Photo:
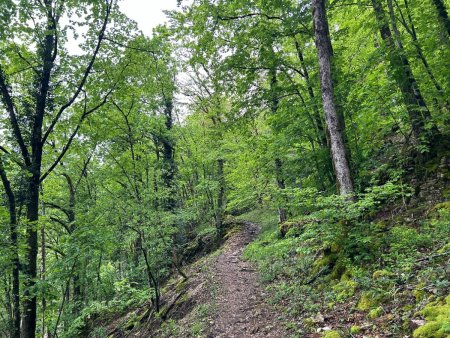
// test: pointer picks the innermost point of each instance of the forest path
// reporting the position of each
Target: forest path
(241, 308)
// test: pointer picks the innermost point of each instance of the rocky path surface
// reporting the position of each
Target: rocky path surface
(241, 308)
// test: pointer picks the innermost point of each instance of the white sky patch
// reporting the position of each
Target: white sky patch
(147, 13)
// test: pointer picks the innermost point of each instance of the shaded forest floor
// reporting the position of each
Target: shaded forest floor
(221, 298)
(241, 310)
(261, 284)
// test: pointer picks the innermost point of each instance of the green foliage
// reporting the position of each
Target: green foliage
(348, 254)
(133, 133)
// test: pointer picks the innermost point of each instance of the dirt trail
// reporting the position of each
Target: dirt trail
(241, 305)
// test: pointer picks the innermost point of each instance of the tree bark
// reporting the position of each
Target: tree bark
(419, 115)
(15, 333)
(282, 214)
(411, 29)
(442, 14)
(220, 195)
(337, 143)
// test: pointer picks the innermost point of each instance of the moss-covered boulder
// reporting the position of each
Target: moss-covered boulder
(437, 315)
(332, 334)
(367, 301)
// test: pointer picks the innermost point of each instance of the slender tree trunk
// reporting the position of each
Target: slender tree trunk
(43, 269)
(419, 115)
(15, 333)
(282, 214)
(322, 136)
(220, 195)
(30, 304)
(412, 32)
(169, 166)
(278, 164)
(324, 50)
(442, 14)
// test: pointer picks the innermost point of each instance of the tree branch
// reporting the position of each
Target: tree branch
(11, 109)
(85, 75)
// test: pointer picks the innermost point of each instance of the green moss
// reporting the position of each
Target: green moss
(443, 205)
(180, 286)
(289, 229)
(419, 292)
(381, 273)
(355, 329)
(438, 316)
(367, 301)
(375, 313)
(345, 289)
(445, 248)
(430, 330)
(309, 322)
(332, 334)
(339, 269)
(322, 262)
(184, 298)
(346, 276)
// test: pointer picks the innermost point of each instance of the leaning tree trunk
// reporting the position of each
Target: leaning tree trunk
(418, 113)
(442, 14)
(337, 143)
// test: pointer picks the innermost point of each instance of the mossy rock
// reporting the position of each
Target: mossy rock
(290, 229)
(309, 322)
(438, 316)
(345, 289)
(367, 301)
(381, 274)
(419, 292)
(375, 313)
(355, 329)
(332, 334)
(327, 260)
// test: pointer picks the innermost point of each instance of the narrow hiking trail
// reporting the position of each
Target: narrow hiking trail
(241, 305)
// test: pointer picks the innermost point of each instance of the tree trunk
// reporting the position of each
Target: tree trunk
(324, 50)
(220, 196)
(442, 14)
(169, 166)
(29, 304)
(412, 32)
(419, 115)
(15, 333)
(282, 214)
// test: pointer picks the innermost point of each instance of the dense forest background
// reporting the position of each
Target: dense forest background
(327, 122)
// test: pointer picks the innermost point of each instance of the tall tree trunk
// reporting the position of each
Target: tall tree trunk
(15, 332)
(220, 196)
(442, 14)
(278, 165)
(337, 143)
(419, 115)
(412, 32)
(282, 214)
(169, 166)
(322, 137)
(29, 304)
(43, 270)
